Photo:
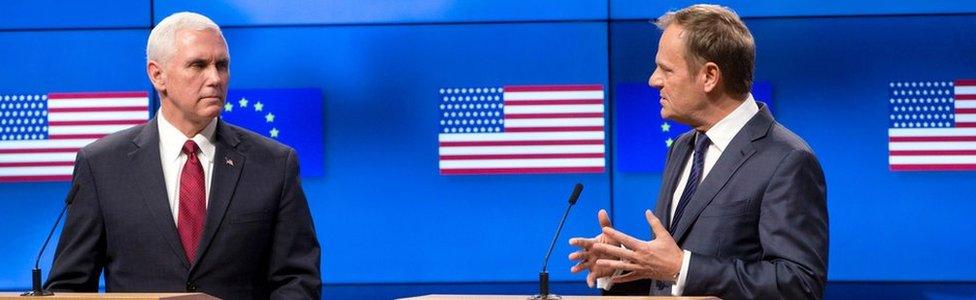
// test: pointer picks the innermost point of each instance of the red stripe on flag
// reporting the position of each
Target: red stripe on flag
(521, 143)
(80, 96)
(98, 109)
(965, 96)
(522, 156)
(38, 150)
(965, 124)
(966, 110)
(554, 88)
(965, 82)
(97, 122)
(554, 116)
(35, 178)
(930, 152)
(522, 171)
(554, 129)
(38, 164)
(953, 167)
(554, 102)
(932, 139)
(75, 136)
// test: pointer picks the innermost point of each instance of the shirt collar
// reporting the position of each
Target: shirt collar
(721, 133)
(171, 140)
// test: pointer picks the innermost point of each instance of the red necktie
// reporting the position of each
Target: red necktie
(193, 201)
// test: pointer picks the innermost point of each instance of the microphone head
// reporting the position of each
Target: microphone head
(576, 193)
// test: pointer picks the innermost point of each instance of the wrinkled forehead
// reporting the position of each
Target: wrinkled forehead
(200, 42)
(673, 37)
(672, 42)
(674, 45)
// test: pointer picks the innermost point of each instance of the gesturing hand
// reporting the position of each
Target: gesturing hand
(587, 260)
(658, 259)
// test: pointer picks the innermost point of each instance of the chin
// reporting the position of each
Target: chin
(214, 102)
(666, 114)
(212, 111)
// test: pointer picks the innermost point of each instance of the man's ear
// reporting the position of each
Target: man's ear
(156, 75)
(711, 76)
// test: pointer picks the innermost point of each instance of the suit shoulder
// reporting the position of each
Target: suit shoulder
(113, 143)
(785, 140)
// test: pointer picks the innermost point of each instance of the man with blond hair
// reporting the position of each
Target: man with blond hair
(742, 209)
(188, 202)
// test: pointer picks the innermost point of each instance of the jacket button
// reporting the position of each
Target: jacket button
(190, 287)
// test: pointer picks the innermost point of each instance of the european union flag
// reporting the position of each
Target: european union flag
(290, 116)
(642, 136)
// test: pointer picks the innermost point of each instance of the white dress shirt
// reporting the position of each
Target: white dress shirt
(720, 135)
(171, 156)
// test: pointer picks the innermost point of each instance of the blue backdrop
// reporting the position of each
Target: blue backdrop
(383, 213)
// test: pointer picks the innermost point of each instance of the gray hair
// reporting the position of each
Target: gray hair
(162, 38)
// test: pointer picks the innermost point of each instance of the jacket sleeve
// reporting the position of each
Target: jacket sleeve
(295, 254)
(793, 234)
(80, 255)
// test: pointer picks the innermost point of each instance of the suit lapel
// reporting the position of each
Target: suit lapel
(738, 152)
(672, 174)
(228, 163)
(148, 171)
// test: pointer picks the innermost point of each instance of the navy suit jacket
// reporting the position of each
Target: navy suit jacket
(757, 225)
(258, 241)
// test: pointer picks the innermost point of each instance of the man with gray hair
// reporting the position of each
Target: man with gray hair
(188, 202)
(742, 209)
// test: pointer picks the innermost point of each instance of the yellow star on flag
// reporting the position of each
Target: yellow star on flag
(243, 102)
(228, 107)
(274, 132)
(258, 106)
(269, 117)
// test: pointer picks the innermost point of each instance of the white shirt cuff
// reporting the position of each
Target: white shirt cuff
(679, 286)
(606, 283)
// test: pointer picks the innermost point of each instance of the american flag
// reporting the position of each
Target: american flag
(41, 134)
(522, 129)
(932, 125)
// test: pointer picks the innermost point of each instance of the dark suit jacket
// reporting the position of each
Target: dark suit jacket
(757, 225)
(258, 241)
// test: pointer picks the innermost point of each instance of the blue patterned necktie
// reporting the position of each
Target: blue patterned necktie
(697, 168)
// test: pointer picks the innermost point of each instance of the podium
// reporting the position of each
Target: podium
(523, 297)
(112, 296)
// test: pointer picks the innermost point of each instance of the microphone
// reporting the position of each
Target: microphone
(544, 274)
(37, 290)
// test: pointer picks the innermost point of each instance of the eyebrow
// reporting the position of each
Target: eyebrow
(197, 61)
(206, 61)
(662, 63)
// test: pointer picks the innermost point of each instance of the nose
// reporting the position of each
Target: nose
(655, 81)
(214, 76)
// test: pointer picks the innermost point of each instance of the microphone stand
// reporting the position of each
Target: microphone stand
(36, 286)
(544, 274)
